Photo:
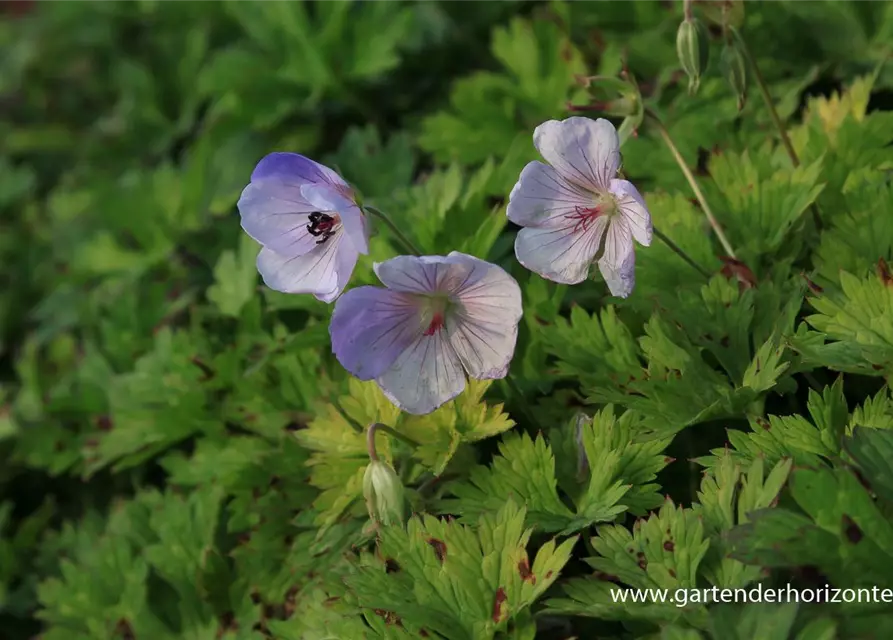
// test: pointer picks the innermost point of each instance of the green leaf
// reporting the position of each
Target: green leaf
(464, 420)
(729, 492)
(872, 450)
(337, 439)
(762, 198)
(160, 403)
(376, 168)
(854, 325)
(487, 108)
(457, 581)
(858, 236)
(235, 277)
(662, 551)
(591, 348)
(524, 471)
(794, 436)
(845, 534)
(757, 620)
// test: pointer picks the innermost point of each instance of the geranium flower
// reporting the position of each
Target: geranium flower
(439, 319)
(575, 210)
(307, 219)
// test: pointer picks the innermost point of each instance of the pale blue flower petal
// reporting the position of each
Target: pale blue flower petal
(275, 214)
(425, 376)
(324, 271)
(419, 356)
(618, 262)
(483, 329)
(560, 254)
(633, 208)
(294, 169)
(371, 327)
(413, 274)
(543, 198)
(585, 152)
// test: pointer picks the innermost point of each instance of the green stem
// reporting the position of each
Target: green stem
(717, 229)
(678, 251)
(773, 113)
(370, 438)
(407, 243)
(767, 98)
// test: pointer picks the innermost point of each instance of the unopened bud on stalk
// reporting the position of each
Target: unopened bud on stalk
(734, 68)
(693, 49)
(383, 493)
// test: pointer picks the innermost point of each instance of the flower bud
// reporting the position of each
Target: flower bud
(734, 68)
(693, 49)
(383, 493)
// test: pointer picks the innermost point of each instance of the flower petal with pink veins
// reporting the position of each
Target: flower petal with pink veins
(618, 262)
(585, 152)
(560, 254)
(543, 198)
(371, 327)
(425, 376)
(633, 208)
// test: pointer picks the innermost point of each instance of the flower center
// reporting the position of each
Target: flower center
(583, 217)
(434, 314)
(323, 225)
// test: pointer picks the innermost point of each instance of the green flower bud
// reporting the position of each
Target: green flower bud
(734, 68)
(383, 493)
(693, 49)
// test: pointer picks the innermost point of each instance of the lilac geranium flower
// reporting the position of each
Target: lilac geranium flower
(307, 219)
(575, 210)
(439, 319)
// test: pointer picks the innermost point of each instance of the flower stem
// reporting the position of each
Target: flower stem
(407, 243)
(773, 113)
(692, 182)
(679, 252)
(370, 438)
(767, 98)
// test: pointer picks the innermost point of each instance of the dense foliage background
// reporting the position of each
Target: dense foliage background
(182, 457)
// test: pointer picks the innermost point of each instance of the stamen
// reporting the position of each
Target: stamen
(584, 216)
(322, 224)
(436, 324)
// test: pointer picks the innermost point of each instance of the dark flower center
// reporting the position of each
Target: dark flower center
(322, 226)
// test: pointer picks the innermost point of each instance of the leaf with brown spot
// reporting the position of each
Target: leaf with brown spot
(883, 271)
(851, 530)
(440, 548)
(735, 269)
(524, 571)
(498, 614)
